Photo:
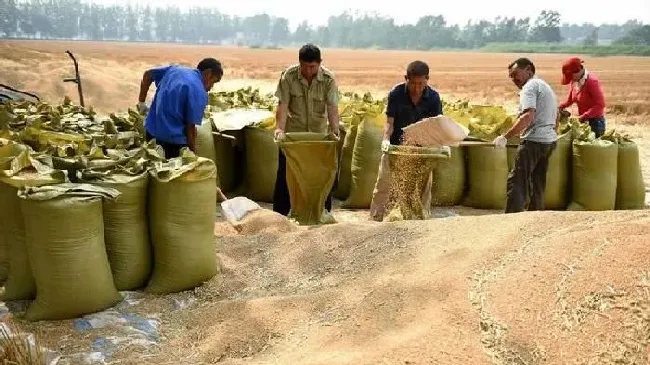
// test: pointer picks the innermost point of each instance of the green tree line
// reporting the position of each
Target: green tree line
(74, 19)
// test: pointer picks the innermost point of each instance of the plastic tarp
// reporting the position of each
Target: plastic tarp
(311, 170)
(410, 169)
(448, 186)
(630, 189)
(365, 161)
(19, 167)
(65, 241)
(595, 167)
(126, 226)
(487, 176)
(182, 209)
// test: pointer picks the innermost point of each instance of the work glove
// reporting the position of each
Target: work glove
(446, 150)
(385, 144)
(500, 141)
(279, 135)
(142, 108)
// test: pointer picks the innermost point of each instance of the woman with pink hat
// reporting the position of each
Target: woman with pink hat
(586, 92)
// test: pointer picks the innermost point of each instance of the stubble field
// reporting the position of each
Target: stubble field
(530, 288)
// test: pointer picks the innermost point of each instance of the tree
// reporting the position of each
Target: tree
(547, 27)
(279, 30)
(638, 37)
(592, 39)
(303, 33)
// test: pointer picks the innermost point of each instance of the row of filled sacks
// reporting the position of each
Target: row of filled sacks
(592, 175)
(583, 174)
(71, 247)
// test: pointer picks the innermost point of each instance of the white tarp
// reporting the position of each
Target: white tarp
(237, 119)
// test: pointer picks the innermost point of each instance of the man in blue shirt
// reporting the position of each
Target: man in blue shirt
(408, 103)
(178, 104)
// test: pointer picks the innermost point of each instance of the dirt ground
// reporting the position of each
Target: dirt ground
(532, 288)
(465, 287)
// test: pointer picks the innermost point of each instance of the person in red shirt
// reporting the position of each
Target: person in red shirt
(586, 92)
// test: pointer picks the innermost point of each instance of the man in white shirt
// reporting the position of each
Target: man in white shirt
(536, 124)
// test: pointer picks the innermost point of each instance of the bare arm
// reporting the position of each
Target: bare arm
(190, 130)
(281, 117)
(525, 119)
(144, 86)
(333, 117)
(388, 128)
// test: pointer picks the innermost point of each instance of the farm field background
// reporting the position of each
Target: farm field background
(111, 73)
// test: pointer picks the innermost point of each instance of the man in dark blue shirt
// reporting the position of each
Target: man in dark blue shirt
(408, 103)
(178, 104)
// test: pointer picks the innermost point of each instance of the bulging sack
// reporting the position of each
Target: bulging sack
(182, 209)
(630, 189)
(448, 185)
(487, 175)
(65, 243)
(19, 167)
(261, 163)
(311, 170)
(595, 166)
(558, 176)
(345, 169)
(365, 161)
(410, 178)
(126, 227)
(205, 142)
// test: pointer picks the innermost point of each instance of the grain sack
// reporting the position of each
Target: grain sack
(630, 189)
(182, 211)
(345, 168)
(25, 168)
(126, 228)
(594, 175)
(311, 170)
(205, 142)
(448, 186)
(558, 176)
(261, 163)
(410, 171)
(65, 242)
(365, 161)
(226, 159)
(487, 175)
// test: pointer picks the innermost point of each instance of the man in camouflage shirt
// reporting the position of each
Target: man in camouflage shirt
(307, 102)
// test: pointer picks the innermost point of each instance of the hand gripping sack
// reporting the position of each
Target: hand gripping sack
(630, 189)
(126, 226)
(410, 171)
(365, 161)
(448, 185)
(261, 163)
(19, 167)
(65, 243)
(182, 209)
(487, 175)
(595, 166)
(311, 170)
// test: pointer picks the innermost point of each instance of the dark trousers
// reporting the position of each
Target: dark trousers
(171, 150)
(527, 180)
(281, 199)
(597, 126)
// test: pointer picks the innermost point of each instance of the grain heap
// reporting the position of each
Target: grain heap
(87, 206)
